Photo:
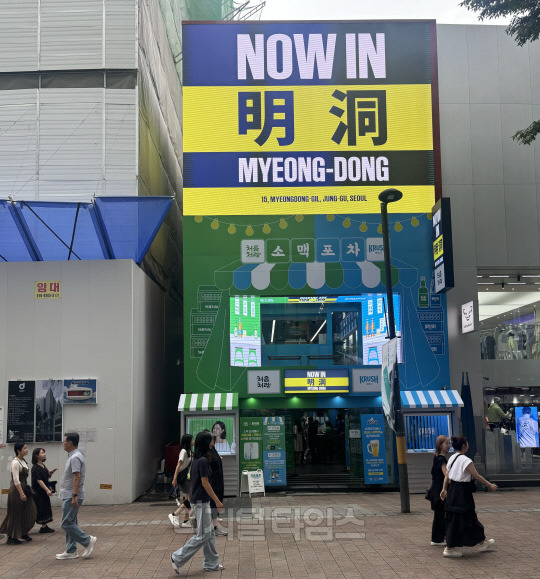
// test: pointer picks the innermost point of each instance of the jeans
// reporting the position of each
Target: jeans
(74, 535)
(204, 538)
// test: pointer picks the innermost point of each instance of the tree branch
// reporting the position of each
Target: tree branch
(528, 135)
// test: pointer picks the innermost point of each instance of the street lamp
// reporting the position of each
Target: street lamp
(390, 196)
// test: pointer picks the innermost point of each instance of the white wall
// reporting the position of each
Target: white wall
(108, 325)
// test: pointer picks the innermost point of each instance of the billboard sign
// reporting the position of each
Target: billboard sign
(309, 117)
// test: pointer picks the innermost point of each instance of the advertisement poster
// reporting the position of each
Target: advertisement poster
(222, 427)
(275, 467)
(388, 371)
(1, 425)
(20, 415)
(245, 331)
(374, 449)
(80, 392)
(49, 411)
(527, 426)
(251, 439)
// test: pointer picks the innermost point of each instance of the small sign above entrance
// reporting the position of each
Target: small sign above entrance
(316, 381)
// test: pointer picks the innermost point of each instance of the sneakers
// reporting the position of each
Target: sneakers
(186, 524)
(13, 541)
(435, 544)
(175, 522)
(218, 568)
(46, 530)
(450, 552)
(219, 531)
(86, 552)
(486, 545)
(66, 555)
(175, 567)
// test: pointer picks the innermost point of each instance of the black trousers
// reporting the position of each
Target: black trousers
(438, 528)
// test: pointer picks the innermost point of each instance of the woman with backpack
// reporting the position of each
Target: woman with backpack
(200, 494)
(181, 479)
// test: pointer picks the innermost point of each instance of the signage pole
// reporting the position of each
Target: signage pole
(389, 196)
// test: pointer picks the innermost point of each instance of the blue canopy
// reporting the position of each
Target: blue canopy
(107, 228)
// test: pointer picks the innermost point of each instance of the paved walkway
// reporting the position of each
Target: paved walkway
(332, 536)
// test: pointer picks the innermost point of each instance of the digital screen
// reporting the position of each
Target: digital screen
(527, 426)
(222, 427)
(307, 330)
(308, 117)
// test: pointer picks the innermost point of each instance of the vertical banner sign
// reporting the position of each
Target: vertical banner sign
(388, 372)
(374, 449)
(275, 468)
(441, 237)
(286, 118)
(251, 440)
(20, 415)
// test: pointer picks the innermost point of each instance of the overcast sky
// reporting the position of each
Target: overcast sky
(444, 11)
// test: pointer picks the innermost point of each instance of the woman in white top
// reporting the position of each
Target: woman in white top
(21, 509)
(463, 529)
(181, 478)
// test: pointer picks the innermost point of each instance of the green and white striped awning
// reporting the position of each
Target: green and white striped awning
(193, 402)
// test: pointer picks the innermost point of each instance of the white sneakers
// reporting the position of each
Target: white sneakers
(86, 552)
(434, 544)
(450, 552)
(175, 521)
(219, 531)
(66, 555)
(187, 525)
(486, 545)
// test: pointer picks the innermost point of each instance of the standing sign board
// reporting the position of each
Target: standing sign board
(252, 482)
(388, 372)
(374, 449)
(275, 468)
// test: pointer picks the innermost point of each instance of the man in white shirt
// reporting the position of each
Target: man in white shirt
(527, 429)
(72, 495)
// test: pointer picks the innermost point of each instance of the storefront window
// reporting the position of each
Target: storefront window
(511, 430)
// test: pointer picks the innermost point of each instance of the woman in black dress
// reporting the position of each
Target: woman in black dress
(463, 529)
(40, 486)
(438, 472)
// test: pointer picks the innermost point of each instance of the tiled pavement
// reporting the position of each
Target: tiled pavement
(294, 536)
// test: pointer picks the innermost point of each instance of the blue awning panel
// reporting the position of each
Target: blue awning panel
(111, 227)
(430, 399)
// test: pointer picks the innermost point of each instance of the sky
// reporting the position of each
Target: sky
(444, 11)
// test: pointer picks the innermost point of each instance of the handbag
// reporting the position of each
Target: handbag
(29, 491)
(428, 494)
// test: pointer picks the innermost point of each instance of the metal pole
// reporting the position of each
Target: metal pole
(398, 413)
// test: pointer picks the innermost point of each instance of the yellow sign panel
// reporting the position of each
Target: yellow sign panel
(44, 290)
(408, 118)
(5, 491)
(438, 248)
(105, 487)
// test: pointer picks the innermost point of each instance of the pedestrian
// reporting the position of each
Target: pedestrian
(72, 495)
(463, 529)
(200, 494)
(21, 509)
(438, 472)
(42, 492)
(181, 478)
(218, 484)
(298, 432)
(312, 430)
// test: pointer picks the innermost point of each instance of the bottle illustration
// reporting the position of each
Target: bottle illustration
(372, 328)
(235, 331)
(240, 327)
(367, 328)
(423, 294)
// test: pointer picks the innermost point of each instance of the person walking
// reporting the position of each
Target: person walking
(218, 484)
(42, 492)
(463, 529)
(200, 494)
(72, 495)
(21, 509)
(438, 472)
(298, 432)
(181, 478)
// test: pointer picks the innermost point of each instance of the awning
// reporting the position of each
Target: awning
(211, 402)
(430, 399)
(106, 228)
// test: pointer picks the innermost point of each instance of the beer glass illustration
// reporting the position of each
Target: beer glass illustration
(373, 448)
